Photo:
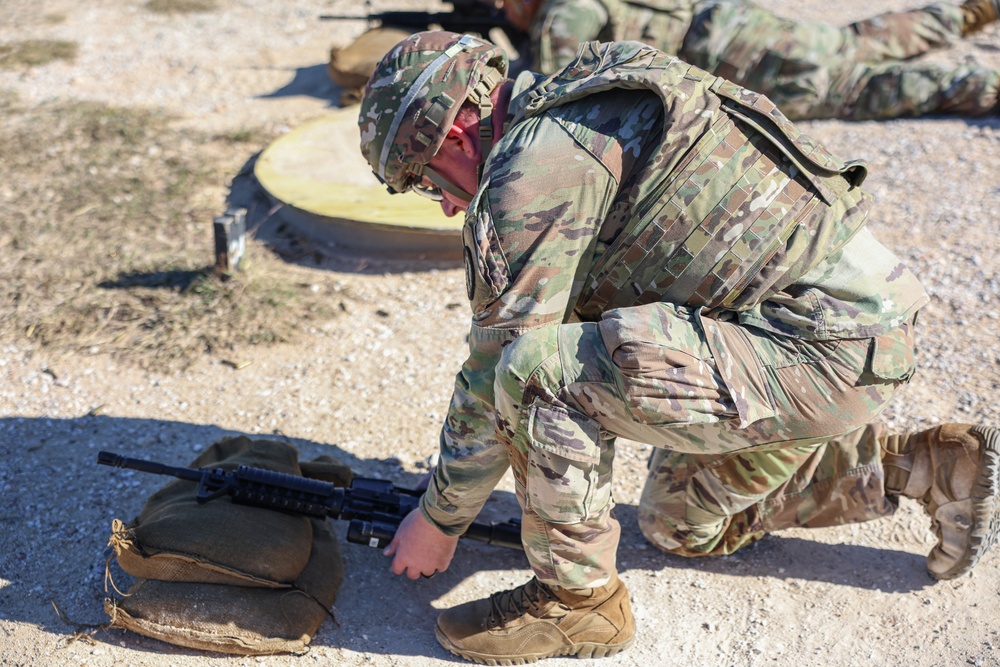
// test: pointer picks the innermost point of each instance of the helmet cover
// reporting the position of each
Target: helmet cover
(414, 95)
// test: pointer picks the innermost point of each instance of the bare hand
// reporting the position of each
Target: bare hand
(420, 548)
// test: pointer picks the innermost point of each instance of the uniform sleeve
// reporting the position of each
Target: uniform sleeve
(561, 27)
(528, 235)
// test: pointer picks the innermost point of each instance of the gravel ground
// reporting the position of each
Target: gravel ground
(372, 387)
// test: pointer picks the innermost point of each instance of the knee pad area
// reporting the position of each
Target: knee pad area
(681, 537)
(525, 354)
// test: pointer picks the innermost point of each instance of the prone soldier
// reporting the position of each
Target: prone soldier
(809, 69)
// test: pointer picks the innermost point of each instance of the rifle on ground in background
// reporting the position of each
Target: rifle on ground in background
(374, 507)
(466, 16)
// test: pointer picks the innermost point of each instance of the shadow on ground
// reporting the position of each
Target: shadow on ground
(59, 504)
(312, 81)
(55, 492)
(784, 557)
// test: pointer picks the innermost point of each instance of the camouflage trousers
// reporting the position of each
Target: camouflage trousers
(861, 71)
(754, 432)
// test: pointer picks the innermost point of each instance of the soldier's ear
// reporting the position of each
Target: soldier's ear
(461, 139)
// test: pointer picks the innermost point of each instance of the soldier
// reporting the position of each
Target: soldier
(656, 254)
(810, 70)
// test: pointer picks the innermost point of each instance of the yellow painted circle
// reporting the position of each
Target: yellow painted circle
(318, 168)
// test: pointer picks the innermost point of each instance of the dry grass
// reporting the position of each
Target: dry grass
(181, 6)
(106, 241)
(34, 52)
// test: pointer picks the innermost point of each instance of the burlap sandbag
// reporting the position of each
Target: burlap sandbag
(237, 619)
(351, 66)
(177, 539)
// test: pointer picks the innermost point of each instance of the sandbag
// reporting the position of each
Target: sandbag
(351, 66)
(177, 539)
(246, 620)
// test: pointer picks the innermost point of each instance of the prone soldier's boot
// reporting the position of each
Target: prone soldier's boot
(953, 470)
(535, 621)
(978, 14)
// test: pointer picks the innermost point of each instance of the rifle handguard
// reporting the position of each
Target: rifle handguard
(374, 508)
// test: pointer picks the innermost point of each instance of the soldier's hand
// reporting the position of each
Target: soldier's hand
(419, 548)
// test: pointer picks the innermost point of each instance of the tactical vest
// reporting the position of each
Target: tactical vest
(735, 204)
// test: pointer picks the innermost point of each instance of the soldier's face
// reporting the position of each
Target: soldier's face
(520, 13)
(452, 206)
(449, 203)
(458, 163)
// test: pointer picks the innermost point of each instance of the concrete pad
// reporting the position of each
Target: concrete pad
(329, 193)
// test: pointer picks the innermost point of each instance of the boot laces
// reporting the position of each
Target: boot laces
(507, 605)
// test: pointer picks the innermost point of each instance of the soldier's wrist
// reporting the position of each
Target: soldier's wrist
(438, 517)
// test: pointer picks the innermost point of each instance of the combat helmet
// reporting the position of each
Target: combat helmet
(413, 97)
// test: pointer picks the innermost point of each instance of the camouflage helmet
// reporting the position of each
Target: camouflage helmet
(413, 97)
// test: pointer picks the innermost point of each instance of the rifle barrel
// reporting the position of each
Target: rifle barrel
(507, 534)
(119, 461)
(411, 19)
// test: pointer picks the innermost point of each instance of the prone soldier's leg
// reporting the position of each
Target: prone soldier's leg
(907, 34)
(816, 70)
(893, 90)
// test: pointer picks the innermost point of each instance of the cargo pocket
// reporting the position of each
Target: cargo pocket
(892, 355)
(667, 374)
(564, 483)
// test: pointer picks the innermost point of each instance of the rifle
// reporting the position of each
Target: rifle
(374, 507)
(466, 16)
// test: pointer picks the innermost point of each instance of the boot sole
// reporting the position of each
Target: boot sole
(584, 650)
(985, 505)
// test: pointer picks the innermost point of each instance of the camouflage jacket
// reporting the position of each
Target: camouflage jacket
(665, 21)
(631, 177)
(561, 26)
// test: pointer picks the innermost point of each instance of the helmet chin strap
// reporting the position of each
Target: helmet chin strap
(446, 185)
(480, 95)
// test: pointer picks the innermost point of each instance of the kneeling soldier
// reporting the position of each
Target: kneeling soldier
(657, 254)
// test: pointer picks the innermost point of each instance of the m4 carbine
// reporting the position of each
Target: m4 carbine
(474, 16)
(374, 507)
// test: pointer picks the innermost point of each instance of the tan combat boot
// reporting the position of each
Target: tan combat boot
(954, 471)
(537, 621)
(978, 14)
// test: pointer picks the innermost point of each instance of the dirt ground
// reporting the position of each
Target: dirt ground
(118, 153)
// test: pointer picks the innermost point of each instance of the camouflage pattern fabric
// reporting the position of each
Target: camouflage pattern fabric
(698, 505)
(560, 191)
(414, 95)
(810, 70)
(731, 223)
(564, 394)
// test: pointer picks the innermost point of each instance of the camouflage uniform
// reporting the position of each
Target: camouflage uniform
(659, 255)
(810, 70)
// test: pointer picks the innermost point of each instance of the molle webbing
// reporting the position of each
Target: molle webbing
(727, 211)
(750, 207)
(730, 210)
